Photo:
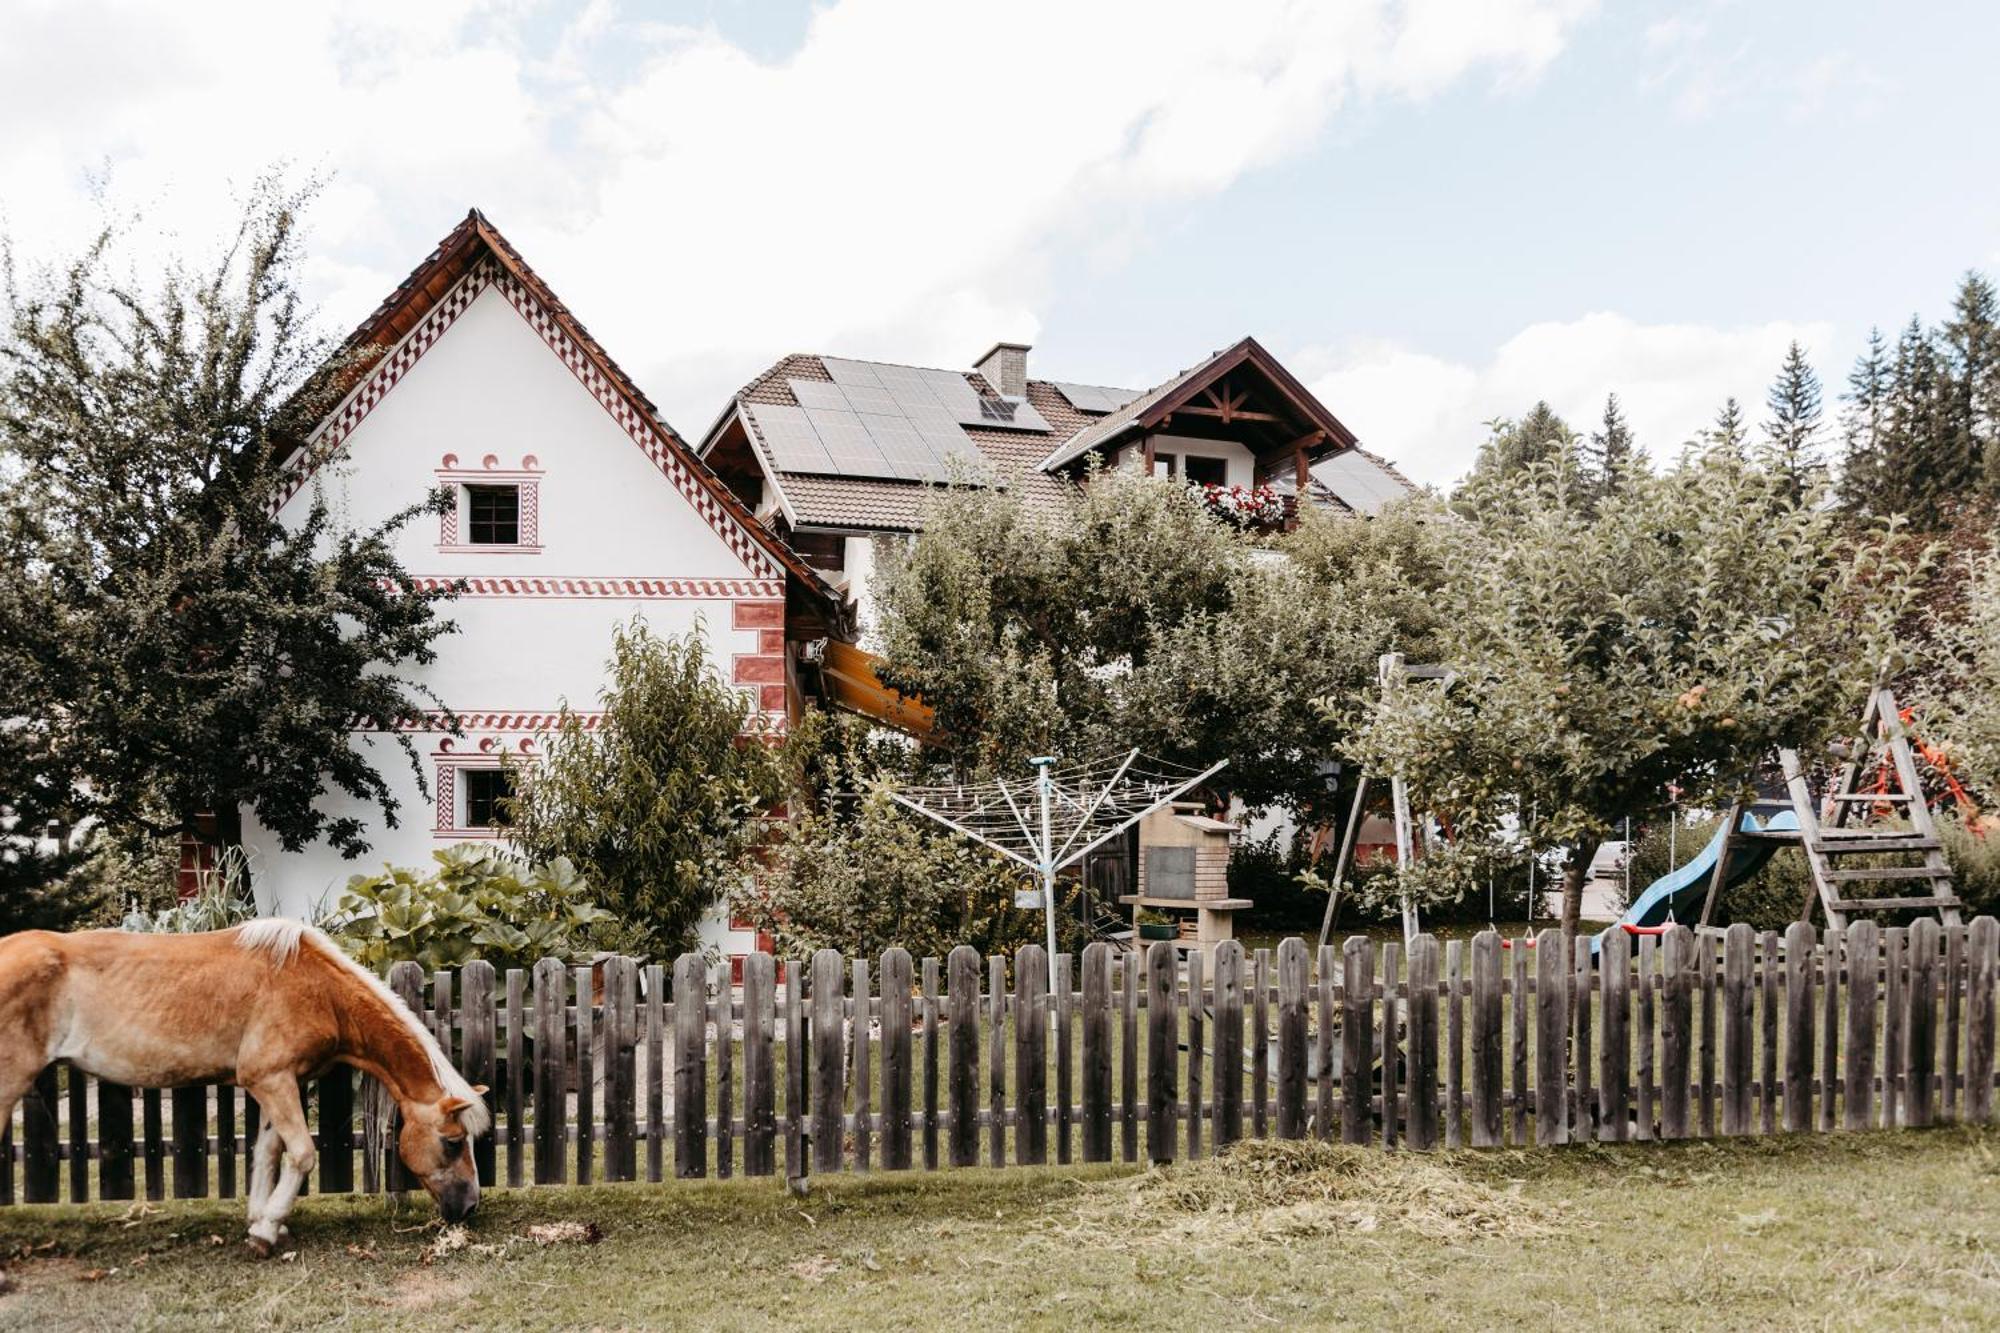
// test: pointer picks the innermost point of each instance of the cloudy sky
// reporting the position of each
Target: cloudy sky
(1435, 211)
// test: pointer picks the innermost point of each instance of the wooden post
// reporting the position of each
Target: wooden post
(1920, 1049)
(1676, 1031)
(1552, 982)
(1357, 1046)
(1325, 1101)
(336, 1131)
(225, 1143)
(1388, 1051)
(153, 1144)
(1982, 962)
(551, 1098)
(477, 1060)
(1582, 1106)
(1260, 1050)
(930, 1005)
(1954, 986)
(795, 1070)
(896, 1073)
(1065, 1002)
(760, 1074)
(722, 1018)
(656, 1065)
(1863, 958)
(1518, 1030)
(40, 1155)
(1831, 946)
(114, 1142)
(1895, 1014)
(963, 1082)
(1614, 977)
(190, 1151)
(1191, 1111)
(1738, 995)
(1706, 978)
(996, 1061)
(1767, 1013)
(1799, 946)
(1162, 1052)
(1031, 1056)
(829, 1066)
(406, 979)
(860, 1046)
(1423, 1042)
(1454, 1043)
(1488, 1088)
(518, 1085)
(1227, 1068)
(1648, 989)
(1292, 1039)
(621, 1069)
(586, 1074)
(1128, 1069)
(1097, 1052)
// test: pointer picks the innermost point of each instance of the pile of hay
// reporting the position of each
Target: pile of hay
(1309, 1188)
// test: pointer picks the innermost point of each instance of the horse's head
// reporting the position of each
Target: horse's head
(437, 1149)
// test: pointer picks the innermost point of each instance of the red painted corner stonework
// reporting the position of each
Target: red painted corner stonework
(760, 615)
(771, 698)
(759, 669)
(770, 641)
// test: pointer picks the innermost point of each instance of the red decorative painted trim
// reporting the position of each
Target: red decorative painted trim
(444, 782)
(526, 479)
(627, 589)
(640, 429)
(527, 723)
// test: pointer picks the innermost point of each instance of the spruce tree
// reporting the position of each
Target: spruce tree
(1728, 435)
(1971, 407)
(1611, 455)
(1924, 466)
(1792, 449)
(1864, 424)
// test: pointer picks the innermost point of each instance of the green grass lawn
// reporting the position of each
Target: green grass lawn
(1864, 1231)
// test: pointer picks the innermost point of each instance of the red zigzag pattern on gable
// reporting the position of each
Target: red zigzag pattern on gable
(421, 339)
(637, 588)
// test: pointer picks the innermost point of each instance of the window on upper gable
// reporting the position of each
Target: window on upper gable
(485, 791)
(493, 515)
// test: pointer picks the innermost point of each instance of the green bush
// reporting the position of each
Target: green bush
(864, 874)
(478, 902)
(1975, 865)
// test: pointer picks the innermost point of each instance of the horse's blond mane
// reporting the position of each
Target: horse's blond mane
(282, 940)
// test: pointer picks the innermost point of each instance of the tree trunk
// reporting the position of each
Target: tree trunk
(1581, 853)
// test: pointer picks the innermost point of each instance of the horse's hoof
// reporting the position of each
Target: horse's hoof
(259, 1247)
(284, 1238)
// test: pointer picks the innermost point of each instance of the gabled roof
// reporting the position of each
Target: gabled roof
(472, 241)
(1151, 408)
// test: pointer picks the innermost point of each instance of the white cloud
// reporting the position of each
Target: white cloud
(1427, 413)
(898, 185)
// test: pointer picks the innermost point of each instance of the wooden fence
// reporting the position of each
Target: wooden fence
(894, 1065)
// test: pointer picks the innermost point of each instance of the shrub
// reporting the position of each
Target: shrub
(478, 903)
(222, 899)
(864, 875)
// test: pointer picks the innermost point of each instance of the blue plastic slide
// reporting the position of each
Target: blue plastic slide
(1677, 895)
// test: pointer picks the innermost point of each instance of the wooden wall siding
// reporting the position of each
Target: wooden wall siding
(896, 1065)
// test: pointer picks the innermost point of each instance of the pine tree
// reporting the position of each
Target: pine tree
(1864, 424)
(1728, 435)
(1924, 467)
(1971, 344)
(1611, 455)
(1791, 436)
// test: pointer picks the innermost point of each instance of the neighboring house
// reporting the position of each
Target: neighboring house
(834, 453)
(574, 508)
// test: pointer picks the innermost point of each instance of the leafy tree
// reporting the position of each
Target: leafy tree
(171, 645)
(659, 804)
(1611, 455)
(1792, 448)
(1131, 616)
(1962, 692)
(1677, 634)
(1864, 425)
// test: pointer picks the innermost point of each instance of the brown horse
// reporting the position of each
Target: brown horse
(262, 1005)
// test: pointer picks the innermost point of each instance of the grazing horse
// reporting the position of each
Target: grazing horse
(262, 1005)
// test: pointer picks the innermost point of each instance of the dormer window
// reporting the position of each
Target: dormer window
(493, 515)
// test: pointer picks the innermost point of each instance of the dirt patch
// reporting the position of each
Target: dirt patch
(426, 1289)
(1276, 1189)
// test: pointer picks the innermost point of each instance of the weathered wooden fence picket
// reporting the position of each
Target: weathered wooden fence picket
(889, 1065)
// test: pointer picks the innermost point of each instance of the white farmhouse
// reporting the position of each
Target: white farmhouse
(576, 507)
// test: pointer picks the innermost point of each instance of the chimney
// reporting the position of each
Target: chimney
(1006, 369)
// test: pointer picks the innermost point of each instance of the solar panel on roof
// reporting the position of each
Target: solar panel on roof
(1095, 398)
(793, 443)
(1361, 483)
(818, 393)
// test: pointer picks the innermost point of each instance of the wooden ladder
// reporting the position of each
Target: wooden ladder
(1825, 843)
